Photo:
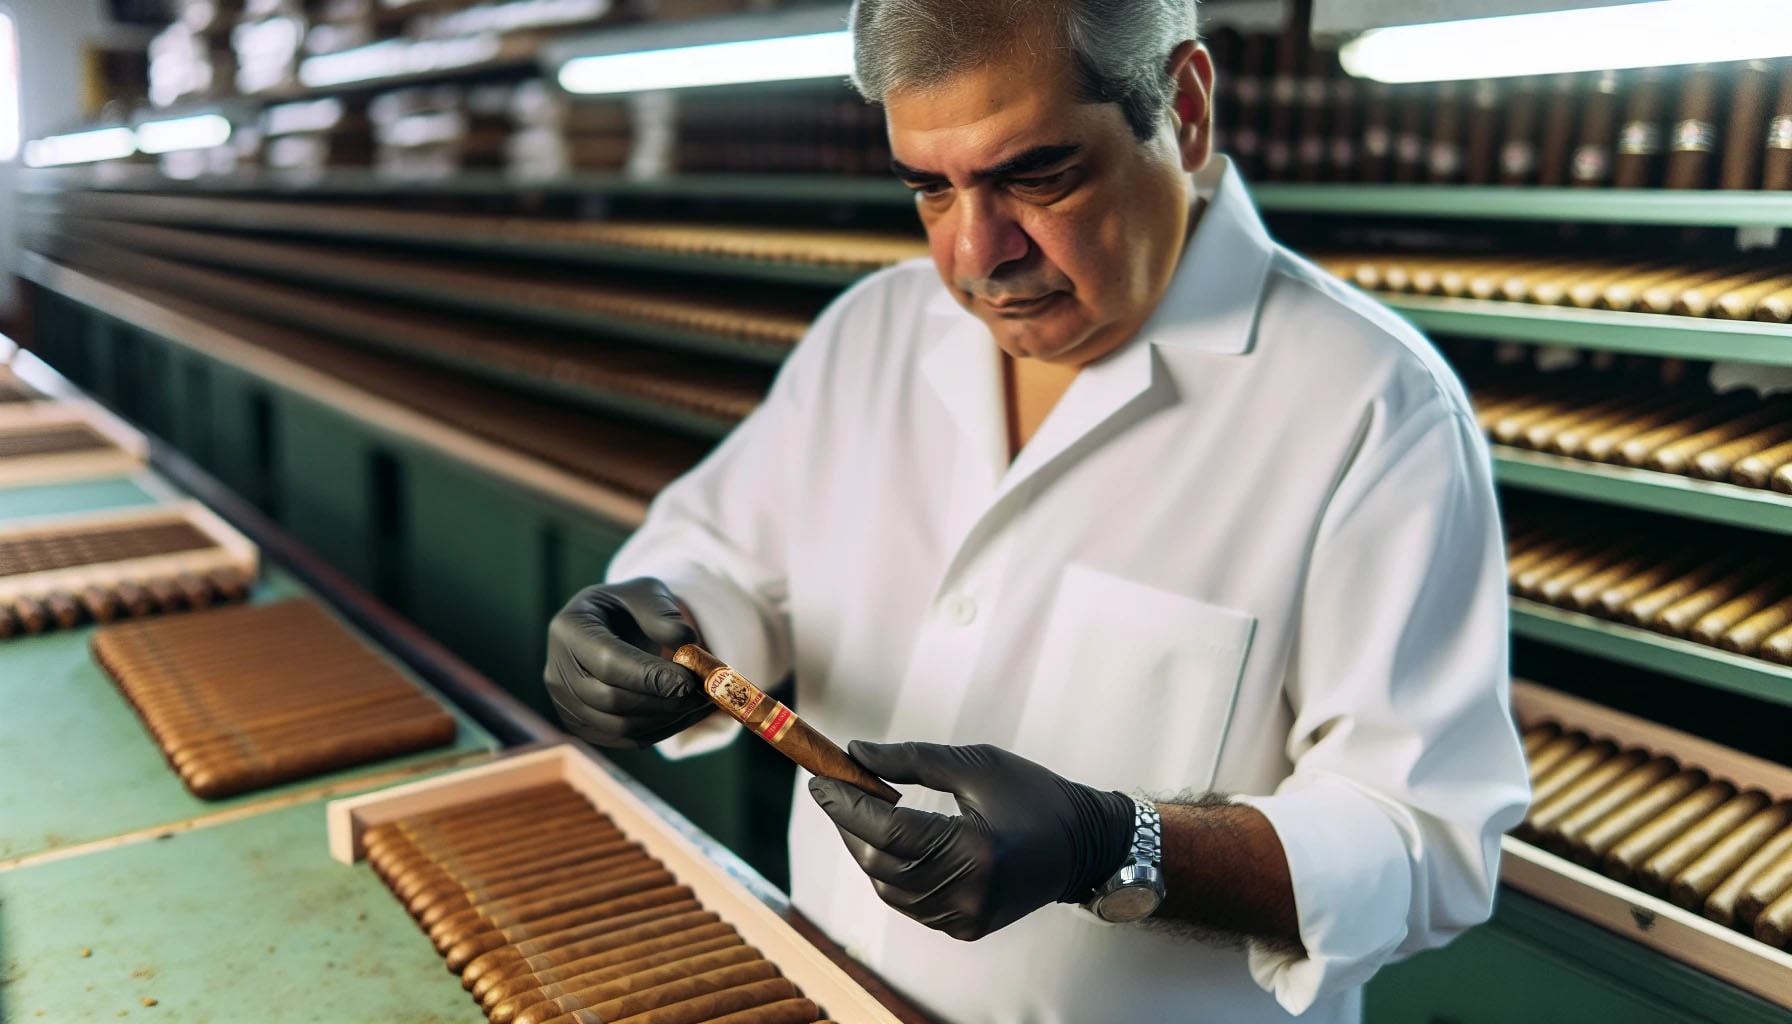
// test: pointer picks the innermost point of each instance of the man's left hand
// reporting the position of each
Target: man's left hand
(1024, 836)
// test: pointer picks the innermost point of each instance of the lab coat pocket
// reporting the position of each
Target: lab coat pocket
(1134, 686)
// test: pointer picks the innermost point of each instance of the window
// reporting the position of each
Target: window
(9, 90)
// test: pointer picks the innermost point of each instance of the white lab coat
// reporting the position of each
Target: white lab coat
(1255, 550)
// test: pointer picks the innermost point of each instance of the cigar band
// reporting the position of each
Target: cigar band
(1244, 140)
(1640, 138)
(1591, 164)
(1695, 136)
(1487, 94)
(1518, 157)
(1409, 149)
(778, 722)
(1343, 151)
(1248, 88)
(1313, 92)
(738, 696)
(1276, 153)
(1376, 141)
(1283, 89)
(1779, 132)
(1312, 150)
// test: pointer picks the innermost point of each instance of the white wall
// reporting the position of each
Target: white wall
(50, 34)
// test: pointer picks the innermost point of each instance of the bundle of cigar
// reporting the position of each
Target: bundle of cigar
(252, 697)
(1672, 831)
(1744, 288)
(551, 915)
(1736, 437)
(33, 440)
(1724, 589)
(61, 576)
(1287, 111)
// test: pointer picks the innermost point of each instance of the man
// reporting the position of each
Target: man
(1136, 503)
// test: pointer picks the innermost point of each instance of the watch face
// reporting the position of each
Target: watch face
(1129, 903)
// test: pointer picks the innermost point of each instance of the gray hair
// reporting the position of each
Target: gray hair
(1119, 48)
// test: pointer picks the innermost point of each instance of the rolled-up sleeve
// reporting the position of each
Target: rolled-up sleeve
(1407, 766)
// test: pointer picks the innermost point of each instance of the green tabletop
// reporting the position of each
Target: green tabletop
(80, 496)
(245, 921)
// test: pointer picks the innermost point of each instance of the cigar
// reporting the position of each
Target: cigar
(1666, 864)
(101, 604)
(1443, 160)
(1628, 294)
(462, 953)
(1589, 844)
(1559, 588)
(1776, 160)
(136, 601)
(1638, 163)
(63, 608)
(652, 978)
(1747, 636)
(432, 904)
(1694, 136)
(771, 721)
(494, 830)
(33, 617)
(1555, 752)
(1679, 618)
(1564, 831)
(1677, 457)
(1518, 150)
(1769, 884)
(1745, 138)
(1774, 925)
(1539, 736)
(784, 1011)
(1603, 446)
(1645, 610)
(1479, 159)
(662, 909)
(1591, 164)
(1625, 858)
(410, 877)
(1560, 98)
(1775, 308)
(1637, 450)
(1564, 777)
(228, 776)
(1701, 879)
(1703, 299)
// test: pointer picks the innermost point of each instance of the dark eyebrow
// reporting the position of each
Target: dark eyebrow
(1036, 159)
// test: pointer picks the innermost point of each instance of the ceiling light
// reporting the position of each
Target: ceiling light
(81, 147)
(201, 131)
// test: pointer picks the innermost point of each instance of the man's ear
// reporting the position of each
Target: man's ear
(1191, 70)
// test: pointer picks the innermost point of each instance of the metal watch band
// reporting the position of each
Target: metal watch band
(1147, 833)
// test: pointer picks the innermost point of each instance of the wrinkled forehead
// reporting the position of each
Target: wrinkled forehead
(978, 118)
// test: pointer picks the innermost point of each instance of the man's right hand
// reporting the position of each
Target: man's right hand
(605, 674)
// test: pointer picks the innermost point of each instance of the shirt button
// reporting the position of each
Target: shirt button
(960, 610)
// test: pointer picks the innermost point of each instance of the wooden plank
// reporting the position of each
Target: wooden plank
(805, 965)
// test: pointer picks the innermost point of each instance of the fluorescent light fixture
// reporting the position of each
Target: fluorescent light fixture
(398, 57)
(9, 90)
(81, 147)
(793, 58)
(201, 131)
(1637, 35)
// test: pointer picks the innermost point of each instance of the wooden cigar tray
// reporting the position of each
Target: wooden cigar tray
(116, 449)
(806, 966)
(229, 550)
(1686, 936)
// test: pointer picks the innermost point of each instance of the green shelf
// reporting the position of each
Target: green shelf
(1640, 648)
(1648, 334)
(1707, 500)
(1505, 202)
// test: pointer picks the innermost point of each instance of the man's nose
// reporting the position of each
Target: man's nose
(987, 238)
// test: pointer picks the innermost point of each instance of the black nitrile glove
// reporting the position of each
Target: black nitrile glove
(1025, 836)
(605, 674)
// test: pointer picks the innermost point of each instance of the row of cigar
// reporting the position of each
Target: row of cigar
(1287, 111)
(552, 915)
(1651, 823)
(815, 131)
(630, 458)
(35, 551)
(1725, 591)
(1757, 288)
(251, 697)
(120, 599)
(29, 440)
(1735, 437)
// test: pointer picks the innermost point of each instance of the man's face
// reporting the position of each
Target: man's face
(1049, 220)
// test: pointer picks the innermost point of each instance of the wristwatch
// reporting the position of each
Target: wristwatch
(1134, 892)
